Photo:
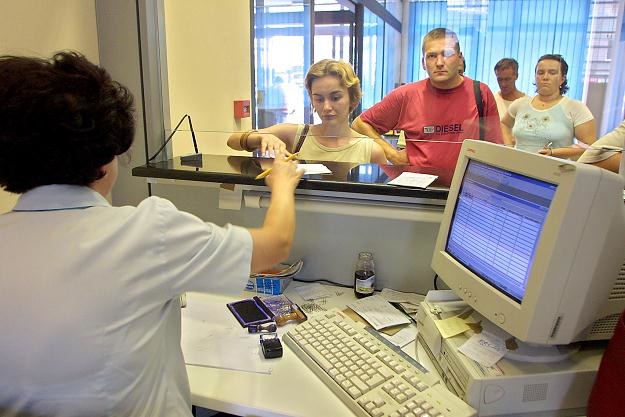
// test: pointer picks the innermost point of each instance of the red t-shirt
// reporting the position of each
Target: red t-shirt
(435, 121)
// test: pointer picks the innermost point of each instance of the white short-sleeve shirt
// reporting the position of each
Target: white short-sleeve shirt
(89, 301)
(535, 128)
(502, 104)
(600, 149)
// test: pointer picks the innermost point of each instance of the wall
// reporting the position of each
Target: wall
(595, 100)
(42, 27)
(204, 54)
(208, 65)
(329, 243)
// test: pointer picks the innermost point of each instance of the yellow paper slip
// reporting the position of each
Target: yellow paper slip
(452, 326)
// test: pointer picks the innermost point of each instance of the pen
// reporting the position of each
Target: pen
(608, 148)
(267, 171)
(547, 146)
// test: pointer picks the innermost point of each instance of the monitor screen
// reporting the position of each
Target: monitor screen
(497, 221)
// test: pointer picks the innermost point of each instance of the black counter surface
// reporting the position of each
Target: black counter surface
(345, 177)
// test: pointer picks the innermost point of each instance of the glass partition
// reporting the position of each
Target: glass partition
(280, 26)
(381, 58)
(382, 40)
(311, 30)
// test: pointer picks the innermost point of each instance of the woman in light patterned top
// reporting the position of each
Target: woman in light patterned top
(548, 123)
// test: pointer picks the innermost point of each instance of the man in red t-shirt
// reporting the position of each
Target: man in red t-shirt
(436, 114)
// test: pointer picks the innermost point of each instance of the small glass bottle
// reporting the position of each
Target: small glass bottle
(364, 277)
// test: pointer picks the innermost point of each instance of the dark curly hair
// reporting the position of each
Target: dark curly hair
(564, 69)
(61, 120)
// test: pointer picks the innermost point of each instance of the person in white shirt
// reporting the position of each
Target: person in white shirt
(507, 72)
(90, 293)
(606, 152)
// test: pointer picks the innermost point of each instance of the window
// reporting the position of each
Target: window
(289, 35)
(493, 29)
(282, 46)
(585, 32)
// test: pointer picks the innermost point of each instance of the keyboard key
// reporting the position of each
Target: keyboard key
(374, 381)
(354, 392)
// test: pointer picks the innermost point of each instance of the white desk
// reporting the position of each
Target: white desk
(292, 389)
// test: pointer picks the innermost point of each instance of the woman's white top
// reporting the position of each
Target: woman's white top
(554, 127)
(89, 301)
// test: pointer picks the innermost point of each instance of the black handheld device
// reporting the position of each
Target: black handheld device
(250, 311)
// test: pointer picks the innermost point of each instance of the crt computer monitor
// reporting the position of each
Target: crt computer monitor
(534, 244)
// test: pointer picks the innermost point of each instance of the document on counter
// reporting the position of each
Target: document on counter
(378, 312)
(413, 179)
(212, 337)
(314, 169)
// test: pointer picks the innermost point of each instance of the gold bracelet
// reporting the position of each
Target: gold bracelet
(243, 140)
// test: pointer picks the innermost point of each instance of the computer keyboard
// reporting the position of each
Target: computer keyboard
(369, 376)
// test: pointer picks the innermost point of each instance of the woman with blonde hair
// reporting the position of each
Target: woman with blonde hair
(334, 91)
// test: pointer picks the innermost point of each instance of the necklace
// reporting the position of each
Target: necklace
(545, 104)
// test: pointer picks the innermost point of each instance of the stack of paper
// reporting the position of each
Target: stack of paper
(382, 316)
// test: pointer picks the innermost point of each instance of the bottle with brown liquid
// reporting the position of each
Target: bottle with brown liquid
(364, 277)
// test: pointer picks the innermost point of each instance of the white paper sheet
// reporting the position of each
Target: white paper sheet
(393, 296)
(313, 291)
(484, 348)
(212, 337)
(314, 169)
(441, 295)
(413, 179)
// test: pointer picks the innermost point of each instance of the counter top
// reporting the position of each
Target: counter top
(345, 177)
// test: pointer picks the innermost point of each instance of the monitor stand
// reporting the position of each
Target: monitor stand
(526, 352)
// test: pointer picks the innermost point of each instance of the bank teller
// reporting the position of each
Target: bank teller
(89, 296)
